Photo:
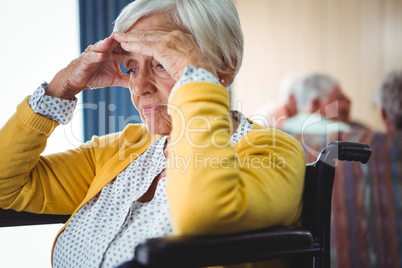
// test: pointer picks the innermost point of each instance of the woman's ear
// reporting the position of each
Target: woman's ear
(224, 78)
(385, 120)
(227, 75)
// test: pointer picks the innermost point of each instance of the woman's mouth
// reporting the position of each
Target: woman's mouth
(149, 108)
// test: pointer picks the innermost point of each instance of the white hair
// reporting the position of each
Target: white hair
(314, 86)
(214, 24)
(288, 86)
(391, 97)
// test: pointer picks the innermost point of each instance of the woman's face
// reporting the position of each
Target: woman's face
(150, 84)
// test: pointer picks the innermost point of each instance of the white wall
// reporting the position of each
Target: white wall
(38, 38)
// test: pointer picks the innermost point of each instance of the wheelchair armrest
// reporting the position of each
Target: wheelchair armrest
(345, 151)
(13, 218)
(198, 251)
(354, 151)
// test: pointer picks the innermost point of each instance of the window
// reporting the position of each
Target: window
(38, 38)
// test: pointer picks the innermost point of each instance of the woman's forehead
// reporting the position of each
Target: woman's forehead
(154, 22)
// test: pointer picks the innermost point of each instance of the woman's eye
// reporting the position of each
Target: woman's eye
(132, 71)
(160, 66)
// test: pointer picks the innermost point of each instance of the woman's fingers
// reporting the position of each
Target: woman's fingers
(92, 57)
(148, 49)
(106, 45)
(121, 80)
(174, 50)
(98, 66)
(138, 42)
(141, 36)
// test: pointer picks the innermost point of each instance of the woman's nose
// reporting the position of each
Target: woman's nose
(141, 84)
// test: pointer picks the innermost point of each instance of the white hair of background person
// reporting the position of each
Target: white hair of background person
(214, 24)
(314, 86)
(288, 86)
(390, 90)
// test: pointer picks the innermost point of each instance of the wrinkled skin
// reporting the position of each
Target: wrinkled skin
(156, 53)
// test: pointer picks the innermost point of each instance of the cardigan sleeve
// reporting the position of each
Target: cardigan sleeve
(224, 188)
(53, 184)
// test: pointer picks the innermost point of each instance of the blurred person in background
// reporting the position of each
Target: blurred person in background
(390, 91)
(322, 107)
(273, 116)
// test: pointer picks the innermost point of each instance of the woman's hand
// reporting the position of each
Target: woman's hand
(98, 66)
(173, 50)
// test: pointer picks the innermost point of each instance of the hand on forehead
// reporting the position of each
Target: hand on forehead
(155, 36)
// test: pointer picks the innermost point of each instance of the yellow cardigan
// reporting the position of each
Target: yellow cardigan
(255, 183)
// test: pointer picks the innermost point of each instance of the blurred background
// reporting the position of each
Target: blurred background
(356, 41)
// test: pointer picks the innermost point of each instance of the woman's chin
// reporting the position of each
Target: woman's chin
(159, 128)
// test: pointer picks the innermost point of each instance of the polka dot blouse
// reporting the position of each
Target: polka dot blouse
(105, 232)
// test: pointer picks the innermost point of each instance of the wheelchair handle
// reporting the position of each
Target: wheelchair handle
(344, 150)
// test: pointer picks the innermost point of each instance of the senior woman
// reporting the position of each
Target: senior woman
(192, 167)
